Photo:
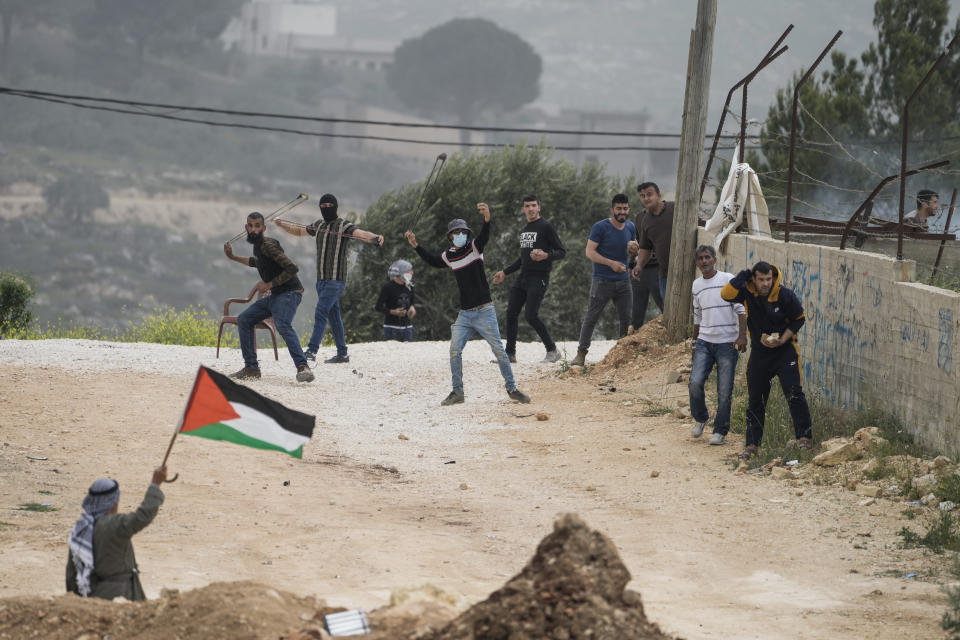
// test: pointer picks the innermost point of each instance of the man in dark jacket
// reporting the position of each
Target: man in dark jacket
(283, 293)
(101, 562)
(774, 316)
(540, 246)
(395, 302)
(477, 313)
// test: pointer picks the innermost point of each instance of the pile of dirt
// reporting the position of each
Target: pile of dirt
(574, 587)
(643, 350)
(219, 611)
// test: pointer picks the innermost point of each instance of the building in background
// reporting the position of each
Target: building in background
(303, 29)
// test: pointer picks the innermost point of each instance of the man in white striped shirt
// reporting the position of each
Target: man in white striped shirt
(720, 335)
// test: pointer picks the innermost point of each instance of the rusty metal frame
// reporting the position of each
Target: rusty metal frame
(793, 130)
(905, 131)
(879, 187)
(946, 229)
(768, 57)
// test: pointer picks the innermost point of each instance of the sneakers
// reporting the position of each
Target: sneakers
(581, 358)
(304, 374)
(804, 444)
(519, 396)
(552, 356)
(311, 356)
(337, 359)
(717, 438)
(748, 452)
(697, 429)
(246, 374)
(455, 397)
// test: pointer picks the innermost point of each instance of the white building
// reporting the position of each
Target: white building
(303, 29)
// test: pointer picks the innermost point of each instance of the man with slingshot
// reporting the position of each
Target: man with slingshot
(331, 232)
(278, 279)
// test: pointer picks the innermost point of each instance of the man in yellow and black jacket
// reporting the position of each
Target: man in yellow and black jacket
(774, 316)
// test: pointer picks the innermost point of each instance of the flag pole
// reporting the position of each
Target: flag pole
(183, 415)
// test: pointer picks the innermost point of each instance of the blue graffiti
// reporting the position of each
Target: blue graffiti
(914, 334)
(945, 348)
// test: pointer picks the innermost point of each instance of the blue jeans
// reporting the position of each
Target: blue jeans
(663, 287)
(484, 322)
(328, 307)
(400, 335)
(282, 307)
(725, 356)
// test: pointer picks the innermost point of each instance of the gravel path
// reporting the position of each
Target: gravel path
(386, 389)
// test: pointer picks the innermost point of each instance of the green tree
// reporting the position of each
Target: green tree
(834, 108)
(75, 196)
(910, 36)
(572, 200)
(849, 123)
(15, 295)
(463, 68)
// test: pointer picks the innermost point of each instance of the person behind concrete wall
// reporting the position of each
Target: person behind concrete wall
(656, 231)
(100, 560)
(774, 316)
(719, 336)
(396, 303)
(610, 243)
(646, 285)
(928, 203)
(477, 313)
(540, 246)
(332, 233)
(282, 292)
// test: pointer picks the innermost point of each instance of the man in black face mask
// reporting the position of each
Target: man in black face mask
(331, 232)
(279, 281)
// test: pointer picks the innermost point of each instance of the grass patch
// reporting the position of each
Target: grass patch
(942, 535)
(828, 422)
(6, 524)
(36, 506)
(191, 327)
(46, 493)
(951, 617)
(655, 410)
(949, 488)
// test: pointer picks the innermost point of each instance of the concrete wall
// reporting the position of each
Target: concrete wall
(873, 338)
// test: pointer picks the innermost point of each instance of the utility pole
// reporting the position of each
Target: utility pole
(681, 268)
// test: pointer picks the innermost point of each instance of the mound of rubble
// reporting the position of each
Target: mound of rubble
(573, 588)
(222, 610)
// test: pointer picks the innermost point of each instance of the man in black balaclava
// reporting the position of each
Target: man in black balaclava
(331, 232)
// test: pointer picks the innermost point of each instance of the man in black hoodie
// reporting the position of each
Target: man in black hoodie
(774, 316)
(540, 246)
(477, 313)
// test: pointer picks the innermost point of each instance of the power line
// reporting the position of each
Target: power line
(384, 123)
(320, 134)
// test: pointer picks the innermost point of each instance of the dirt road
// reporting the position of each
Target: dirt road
(461, 503)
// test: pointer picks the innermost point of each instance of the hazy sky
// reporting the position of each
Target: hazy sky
(625, 55)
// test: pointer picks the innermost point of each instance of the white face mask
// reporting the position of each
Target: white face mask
(408, 278)
(459, 240)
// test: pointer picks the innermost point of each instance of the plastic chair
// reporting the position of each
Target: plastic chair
(229, 319)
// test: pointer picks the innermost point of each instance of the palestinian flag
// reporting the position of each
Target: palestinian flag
(221, 409)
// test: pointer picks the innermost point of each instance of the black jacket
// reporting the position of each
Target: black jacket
(774, 313)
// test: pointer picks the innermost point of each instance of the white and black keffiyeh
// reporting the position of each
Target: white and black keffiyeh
(102, 496)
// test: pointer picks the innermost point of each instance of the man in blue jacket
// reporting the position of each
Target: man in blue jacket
(774, 316)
